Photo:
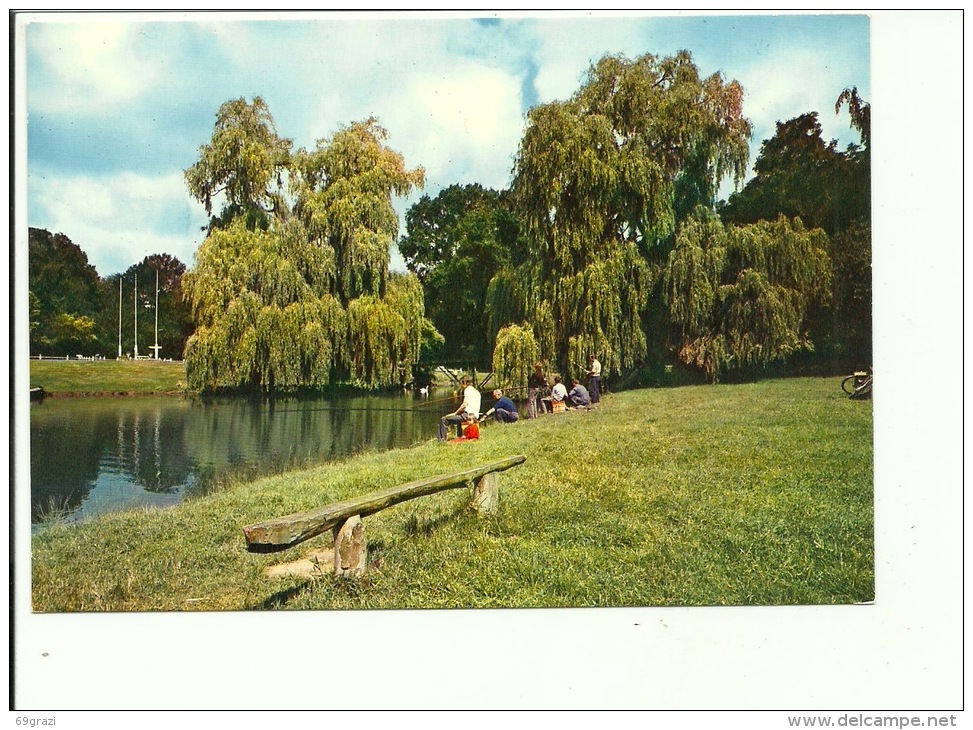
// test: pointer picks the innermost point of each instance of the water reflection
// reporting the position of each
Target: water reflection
(94, 455)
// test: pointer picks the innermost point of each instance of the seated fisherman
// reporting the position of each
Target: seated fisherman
(503, 410)
(559, 396)
(469, 410)
(578, 397)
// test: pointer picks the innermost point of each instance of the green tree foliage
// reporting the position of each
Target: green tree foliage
(851, 310)
(860, 112)
(305, 299)
(243, 165)
(74, 334)
(514, 356)
(740, 297)
(265, 315)
(344, 194)
(64, 291)
(73, 311)
(601, 184)
(799, 175)
(455, 244)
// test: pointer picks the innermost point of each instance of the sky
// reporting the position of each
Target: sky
(118, 105)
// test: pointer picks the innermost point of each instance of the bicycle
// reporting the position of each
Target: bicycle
(858, 385)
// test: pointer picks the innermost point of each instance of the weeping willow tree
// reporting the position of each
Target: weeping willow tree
(344, 192)
(601, 183)
(243, 165)
(514, 355)
(740, 297)
(265, 314)
(298, 295)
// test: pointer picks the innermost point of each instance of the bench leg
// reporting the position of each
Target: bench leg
(350, 551)
(486, 494)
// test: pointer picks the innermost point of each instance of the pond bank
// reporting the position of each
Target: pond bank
(88, 378)
(756, 494)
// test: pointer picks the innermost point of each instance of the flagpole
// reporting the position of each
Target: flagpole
(156, 346)
(120, 317)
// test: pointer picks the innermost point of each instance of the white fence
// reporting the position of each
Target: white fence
(97, 358)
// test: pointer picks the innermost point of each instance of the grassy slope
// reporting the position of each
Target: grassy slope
(107, 376)
(720, 495)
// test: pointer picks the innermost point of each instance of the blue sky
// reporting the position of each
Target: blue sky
(118, 105)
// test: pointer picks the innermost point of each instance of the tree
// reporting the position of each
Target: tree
(305, 298)
(601, 184)
(860, 112)
(244, 164)
(64, 290)
(455, 244)
(514, 355)
(850, 326)
(263, 310)
(740, 297)
(799, 175)
(344, 197)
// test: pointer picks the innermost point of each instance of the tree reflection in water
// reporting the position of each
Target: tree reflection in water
(94, 455)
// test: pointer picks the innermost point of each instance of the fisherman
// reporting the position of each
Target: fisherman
(559, 394)
(536, 384)
(578, 396)
(469, 410)
(503, 410)
(594, 378)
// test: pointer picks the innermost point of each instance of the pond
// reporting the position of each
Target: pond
(89, 456)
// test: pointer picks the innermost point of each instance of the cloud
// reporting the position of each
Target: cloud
(108, 100)
(86, 67)
(119, 220)
(450, 98)
(566, 48)
(463, 126)
(787, 85)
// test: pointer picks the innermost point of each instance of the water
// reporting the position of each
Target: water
(89, 456)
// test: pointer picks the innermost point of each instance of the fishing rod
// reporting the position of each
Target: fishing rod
(422, 406)
(353, 408)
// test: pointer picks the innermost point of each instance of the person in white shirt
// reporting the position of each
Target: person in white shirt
(469, 410)
(559, 392)
(594, 379)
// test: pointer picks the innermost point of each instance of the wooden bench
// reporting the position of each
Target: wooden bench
(345, 518)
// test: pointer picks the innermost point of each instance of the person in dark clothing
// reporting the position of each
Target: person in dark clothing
(536, 384)
(578, 396)
(503, 410)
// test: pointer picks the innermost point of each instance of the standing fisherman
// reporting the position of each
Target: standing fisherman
(594, 379)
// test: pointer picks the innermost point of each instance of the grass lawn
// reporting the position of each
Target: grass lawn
(757, 494)
(78, 377)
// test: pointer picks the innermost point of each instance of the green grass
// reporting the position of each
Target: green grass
(710, 495)
(77, 377)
